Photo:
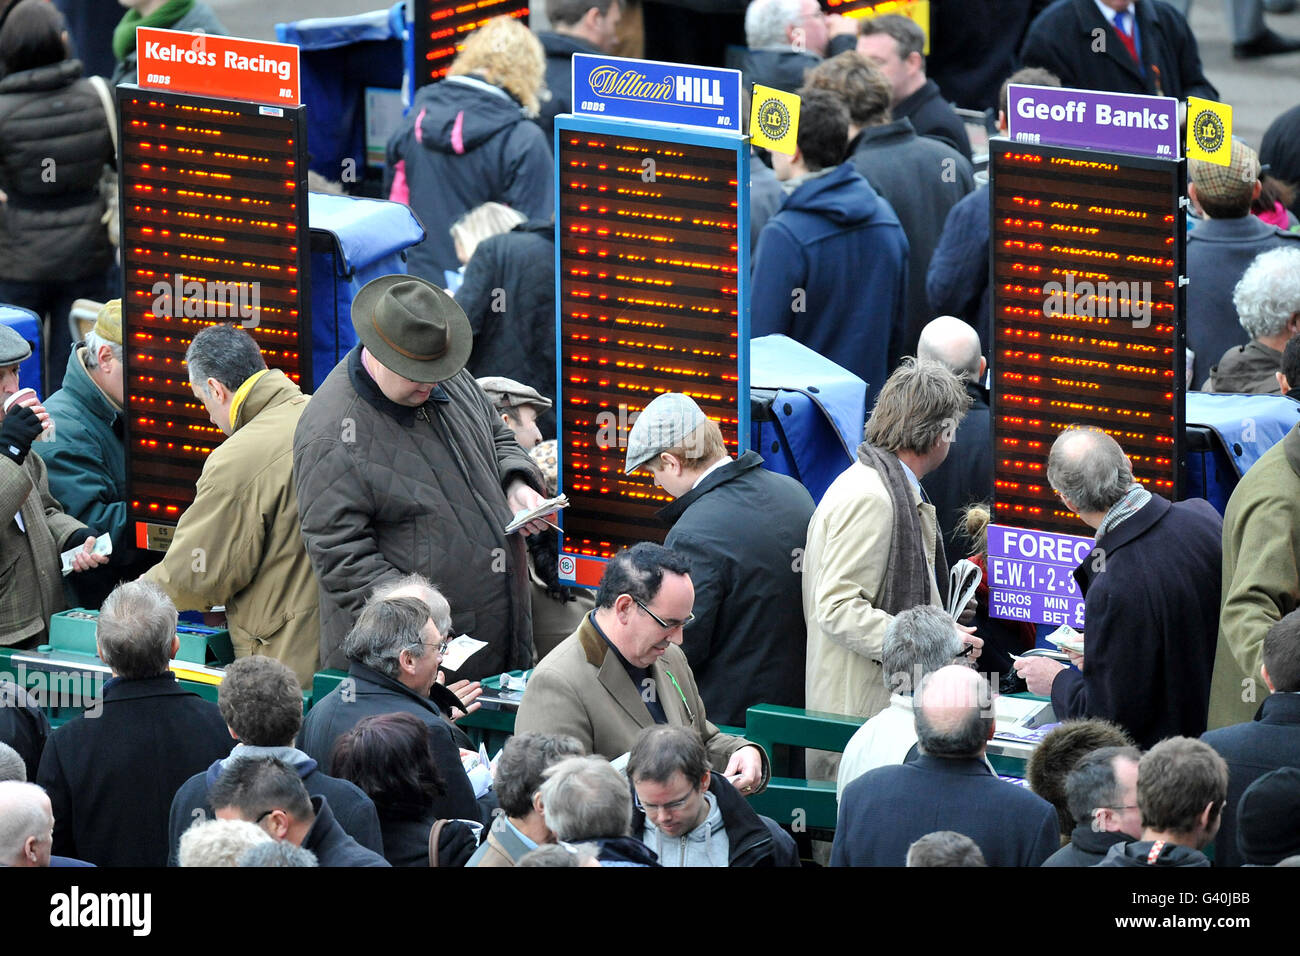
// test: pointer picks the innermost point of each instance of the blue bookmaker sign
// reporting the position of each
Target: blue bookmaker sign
(654, 92)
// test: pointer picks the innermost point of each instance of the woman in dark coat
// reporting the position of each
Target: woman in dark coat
(54, 142)
(389, 757)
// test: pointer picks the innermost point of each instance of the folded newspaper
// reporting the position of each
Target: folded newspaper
(549, 506)
(103, 545)
(963, 579)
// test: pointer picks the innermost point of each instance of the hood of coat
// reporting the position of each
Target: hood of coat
(706, 845)
(461, 113)
(52, 77)
(1138, 854)
(295, 758)
(838, 196)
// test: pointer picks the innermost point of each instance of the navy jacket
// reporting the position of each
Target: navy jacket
(974, 46)
(111, 778)
(957, 282)
(881, 814)
(1269, 742)
(933, 116)
(23, 725)
(1087, 847)
(779, 69)
(1151, 616)
(332, 845)
(966, 475)
(830, 271)
(1218, 253)
(466, 144)
(739, 529)
(922, 179)
(354, 810)
(559, 50)
(1061, 39)
(366, 693)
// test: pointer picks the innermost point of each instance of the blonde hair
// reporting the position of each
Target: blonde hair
(918, 403)
(483, 222)
(506, 54)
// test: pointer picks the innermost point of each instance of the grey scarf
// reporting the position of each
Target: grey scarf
(907, 584)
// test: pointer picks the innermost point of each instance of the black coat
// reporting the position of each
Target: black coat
(957, 282)
(779, 69)
(1087, 847)
(740, 530)
(881, 814)
(406, 842)
(1151, 615)
(932, 115)
(974, 46)
(464, 145)
(923, 178)
(332, 845)
(966, 475)
(111, 777)
(1061, 39)
(54, 142)
(1280, 149)
(752, 840)
(23, 725)
(366, 693)
(508, 294)
(1269, 742)
(354, 810)
(559, 50)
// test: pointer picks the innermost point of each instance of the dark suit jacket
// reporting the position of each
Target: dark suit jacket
(1151, 606)
(23, 725)
(111, 777)
(1269, 742)
(331, 843)
(1061, 39)
(367, 693)
(881, 815)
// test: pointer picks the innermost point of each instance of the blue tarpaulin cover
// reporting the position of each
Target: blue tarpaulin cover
(1246, 426)
(368, 238)
(27, 325)
(817, 414)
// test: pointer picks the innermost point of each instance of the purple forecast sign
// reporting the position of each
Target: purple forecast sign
(1031, 575)
(1111, 122)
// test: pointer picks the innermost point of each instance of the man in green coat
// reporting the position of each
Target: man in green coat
(1261, 577)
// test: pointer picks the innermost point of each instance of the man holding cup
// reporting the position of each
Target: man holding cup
(33, 528)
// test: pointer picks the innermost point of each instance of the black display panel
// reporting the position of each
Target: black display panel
(1087, 250)
(441, 26)
(214, 229)
(649, 303)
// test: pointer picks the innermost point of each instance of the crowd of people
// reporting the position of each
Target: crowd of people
(361, 528)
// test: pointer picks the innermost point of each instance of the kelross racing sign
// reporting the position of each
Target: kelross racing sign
(225, 67)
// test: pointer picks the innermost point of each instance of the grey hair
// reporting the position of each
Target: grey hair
(585, 798)
(766, 20)
(1092, 783)
(945, 848)
(11, 764)
(277, 853)
(1268, 293)
(136, 628)
(1093, 473)
(94, 342)
(418, 586)
(384, 629)
(918, 642)
(21, 816)
(484, 222)
(919, 402)
(219, 842)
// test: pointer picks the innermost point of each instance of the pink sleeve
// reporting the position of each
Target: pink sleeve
(400, 191)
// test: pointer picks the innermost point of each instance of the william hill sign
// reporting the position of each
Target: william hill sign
(650, 91)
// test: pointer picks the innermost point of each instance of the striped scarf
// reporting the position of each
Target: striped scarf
(1133, 501)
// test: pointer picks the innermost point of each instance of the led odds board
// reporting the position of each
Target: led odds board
(440, 27)
(1086, 255)
(214, 229)
(651, 240)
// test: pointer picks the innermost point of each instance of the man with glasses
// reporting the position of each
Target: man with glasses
(624, 670)
(393, 655)
(689, 817)
(268, 793)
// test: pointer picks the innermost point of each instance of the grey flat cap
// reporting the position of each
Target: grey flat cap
(664, 424)
(507, 393)
(13, 347)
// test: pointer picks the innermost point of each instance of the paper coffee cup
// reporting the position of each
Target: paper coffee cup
(22, 397)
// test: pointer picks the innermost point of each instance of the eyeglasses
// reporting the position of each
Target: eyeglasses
(672, 807)
(441, 645)
(666, 625)
(264, 815)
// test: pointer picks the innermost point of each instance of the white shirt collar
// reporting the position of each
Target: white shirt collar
(1109, 13)
(916, 482)
(724, 460)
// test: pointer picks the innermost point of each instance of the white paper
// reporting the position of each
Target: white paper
(460, 650)
(103, 545)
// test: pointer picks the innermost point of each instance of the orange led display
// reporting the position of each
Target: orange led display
(214, 229)
(649, 303)
(1087, 249)
(441, 26)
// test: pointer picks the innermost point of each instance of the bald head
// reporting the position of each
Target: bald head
(1088, 468)
(954, 713)
(954, 343)
(26, 825)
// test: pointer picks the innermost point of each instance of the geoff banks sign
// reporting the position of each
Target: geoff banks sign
(225, 67)
(1112, 122)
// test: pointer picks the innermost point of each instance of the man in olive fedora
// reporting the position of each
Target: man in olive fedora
(402, 465)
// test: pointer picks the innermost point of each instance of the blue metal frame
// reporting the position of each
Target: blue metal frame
(663, 132)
